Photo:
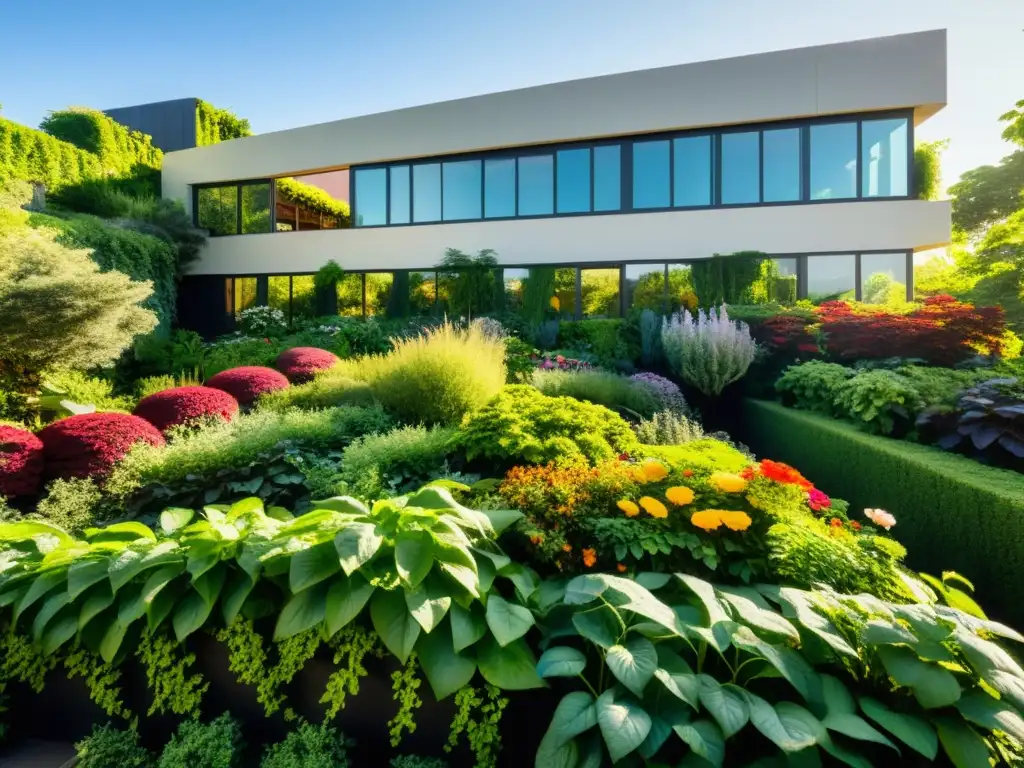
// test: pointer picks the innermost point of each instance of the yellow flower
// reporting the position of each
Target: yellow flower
(735, 521)
(654, 471)
(555, 303)
(728, 482)
(653, 507)
(707, 520)
(679, 495)
(627, 506)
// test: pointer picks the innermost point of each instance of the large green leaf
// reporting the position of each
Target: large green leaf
(356, 544)
(791, 728)
(345, 504)
(726, 703)
(58, 632)
(129, 531)
(751, 608)
(428, 603)
(304, 610)
(507, 621)
(190, 615)
(584, 589)
(933, 686)
(211, 583)
(524, 578)
(808, 617)
(41, 586)
(173, 518)
(600, 625)
(912, 731)
(112, 640)
(414, 556)
(452, 547)
(50, 608)
(345, 600)
(986, 656)
(511, 668)
(561, 661)
(468, 625)
(391, 618)
(445, 670)
(855, 727)
(837, 699)
(623, 721)
(706, 594)
(843, 754)
(790, 664)
(465, 577)
(964, 747)
(981, 709)
(235, 593)
(132, 562)
(675, 674)
(575, 714)
(165, 602)
(158, 580)
(633, 663)
(705, 739)
(878, 632)
(83, 573)
(97, 601)
(656, 738)
(312, 565)
(501, 519)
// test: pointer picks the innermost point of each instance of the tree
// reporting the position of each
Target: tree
(1014, 132)
(58, 310)
(988, 194)
(466, 283)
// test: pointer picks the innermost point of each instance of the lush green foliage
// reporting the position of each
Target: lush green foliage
(812, 386)
(928, 170)
(309, 746)
(395, 461)
(668, 428)
(217, 744)
(929, 491)
(121, 150)
(214, 125)
(611, 342)
(619, 393)
(109, 747)
(523, 424)
(237, 353)
(314, 199)
(467, 286)
(31, 155)
(73, 505)
(413, 761)
(726, 279)
(78, 387)
(988, 194)
(880, 400)
(328, 390)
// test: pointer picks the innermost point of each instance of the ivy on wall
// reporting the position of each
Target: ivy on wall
(927, 162)
(315, 199)
(121, 151)
(214, 125)
(30, 155)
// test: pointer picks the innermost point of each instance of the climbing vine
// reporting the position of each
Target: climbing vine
(102, 680)
(351, 646)
(479, 719)
(167, 667)
(405, 683)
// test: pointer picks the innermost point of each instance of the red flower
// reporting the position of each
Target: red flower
(835, 522)
(817, 500)
(21, 462)
(91, 443)
(855, 525)
(747, 473)
(623, 457)
(687, 473)
(807, 348)
(783, 473)
(183, 404)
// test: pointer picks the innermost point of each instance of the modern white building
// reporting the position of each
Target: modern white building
(806, 155)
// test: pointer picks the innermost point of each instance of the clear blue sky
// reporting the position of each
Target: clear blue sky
(285, 64)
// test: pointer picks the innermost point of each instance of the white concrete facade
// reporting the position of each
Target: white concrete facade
(904, 72)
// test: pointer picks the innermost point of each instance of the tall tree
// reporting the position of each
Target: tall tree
(988, 194)
(1015, 130)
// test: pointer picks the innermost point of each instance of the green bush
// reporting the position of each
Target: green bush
(706, 454)
(952, 512)
(668, 428)
(879, 401)
(812, 386)
(235, 353)
(415, 761)
(394, 461)
(121, 150)
(217, 744)
(89, 390)
(309, 746)
(521, 424)
(327, 390)
(940, 386)
(73, 505)
(620, 393)
(928, 169)
(609, 341)
(150, 385)
(214, 124)
(30, 155)
(110, 747)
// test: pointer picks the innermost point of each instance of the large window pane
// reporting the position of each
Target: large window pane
(303, 296)
(218, 210)
(741, 171)
(831, 277)
(462, 190)
(399, 194)
(565, 291)
(692, 159)
(681, 294)
(350, 295)
(536, 185)
(514, 280)
(883, 278)
(499, 188)
(607, 178)
(781, 165)
(422, 292)
(378, 292)
(255, 208)
(426, 192)
(833, 161)
(599, 292)
(884, 158)
(245, 293)
(650, 174)
(279, 288)
(645, 286)
(573, 180)
(371, 197)
(775, 283)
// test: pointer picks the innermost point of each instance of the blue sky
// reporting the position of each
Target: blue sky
(284, 64)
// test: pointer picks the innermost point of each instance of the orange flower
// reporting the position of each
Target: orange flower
(710, 519)
(835, 522)
(537, 540)
(707, 520)
(627, 506)
(735, 521)
(654, 471)
(653, 507)
(589, 557)
(728, 482)
(620, 568)
(783, 473)
(679, 495)
(687, 473)
(555, 303)
(567, 547)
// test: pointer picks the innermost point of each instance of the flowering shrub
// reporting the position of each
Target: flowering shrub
(300, 364)
(90, 444)
(247, 383)
(561, 363)
(21, 462)
(667, 391)
(182, 405)
(710, 351)
(261, 321)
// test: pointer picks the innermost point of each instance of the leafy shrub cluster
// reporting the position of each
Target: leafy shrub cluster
(619, 393)
(668, 428)
(300, 364)
(183, 405)
(21, 462)
(708, 352)
(248, 383)
(395, 461)
(91, 444)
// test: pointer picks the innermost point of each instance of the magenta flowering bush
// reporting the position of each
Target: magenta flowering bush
(667, 391)
(561, 363)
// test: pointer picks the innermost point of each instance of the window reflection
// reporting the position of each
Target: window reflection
(775, 283)
(499, 188)
(536, 185)
(831, 278)
(650, 174)
(245, 293)
(399, 191)
(607, 178)
(422, 292)
(303, 296)
(692, 160)
(378, 292)
(255, 208)
(681, 294)
(645, 286)
(462, 190)
(514, 280)
(781, 165)
(599, 292)
(565, 291)
(218, 210)
(833, 161)
(350, 295)
(741, 168)
(883, 278)
(426, 192)
(371, 197)
(279, 289)
(884, 158)
(316, 201)
(573, 181)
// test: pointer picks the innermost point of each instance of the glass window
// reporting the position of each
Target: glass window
(378, 292)
(884, 158)
(650, 174)
(218, 210)
(607, 178)
(399, 194)
(883, 278)
(371, 197)
(692, 171)
(565, 291)
(774, 283)
(514, 280)
(599, 292)
(741, 168)
(781, 165)
(245, 293)
(645, 286)
(833, 161)
(462, 190)
(279, 290)
(499, 188)
(831, 277)
(422, 292)
(573, 180)
(536, 185)
(304, 295)
(255, 208)
(426, 192)
(681, 293)
(350, 295)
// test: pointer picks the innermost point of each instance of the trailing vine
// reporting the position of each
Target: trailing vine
(482, 730)
(20, 661)
(351, 646)
(102, 680)
(405, 683)
(167, 674)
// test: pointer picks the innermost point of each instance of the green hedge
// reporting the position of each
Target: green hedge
(214, 125)
(951, 512)
(30, 155)
(121, 151)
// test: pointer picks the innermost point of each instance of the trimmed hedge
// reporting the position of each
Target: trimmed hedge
(90, 444)
(181, 405)
(952, 512)
(122, 151)
(31, 155)
(300, 364)
(246, 383)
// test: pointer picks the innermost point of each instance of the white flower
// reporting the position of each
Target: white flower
(880, 517)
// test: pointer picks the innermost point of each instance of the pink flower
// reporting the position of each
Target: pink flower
(817, 500)
(880, 517)
(547, 364)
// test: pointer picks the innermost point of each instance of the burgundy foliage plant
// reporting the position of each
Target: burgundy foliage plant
(300, 364)
(181, 405)
(21, 462)
(90, 444)
(248, 382)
